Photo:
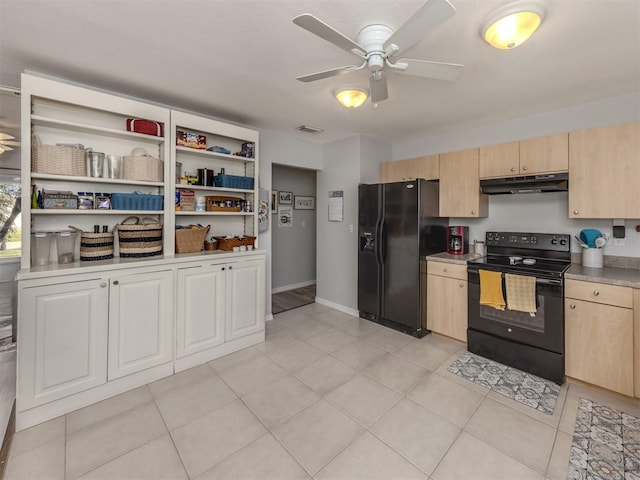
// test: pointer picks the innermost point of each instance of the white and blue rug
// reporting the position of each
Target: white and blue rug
(523, 387)
(606, 444)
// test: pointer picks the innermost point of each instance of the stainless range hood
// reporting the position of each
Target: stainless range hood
(554, 182)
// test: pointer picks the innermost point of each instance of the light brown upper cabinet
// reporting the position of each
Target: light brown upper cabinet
(402, 170)
(548, 154)
(604, 172)
(460, 186)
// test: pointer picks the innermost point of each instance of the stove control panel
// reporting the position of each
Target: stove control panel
(538, 241)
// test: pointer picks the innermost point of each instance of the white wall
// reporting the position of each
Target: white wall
(372, 154)
(293, 250)
(545, 213)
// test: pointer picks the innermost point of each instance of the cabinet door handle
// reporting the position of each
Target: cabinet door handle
(103, 284)
(572, 306)
(462, 285)
(525, 168)
(473, 212)
(445, 270)
(230, 268)
(576, 212)
(513, 169)
(223, 269)
(596, 293)
(116, 282)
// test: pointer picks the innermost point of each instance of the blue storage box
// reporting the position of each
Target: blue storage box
(233, 181)
(136, 201)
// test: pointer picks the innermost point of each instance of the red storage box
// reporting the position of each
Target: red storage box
(148, 127)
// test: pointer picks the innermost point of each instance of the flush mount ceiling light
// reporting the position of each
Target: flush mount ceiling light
(351, 97)
(512, 24)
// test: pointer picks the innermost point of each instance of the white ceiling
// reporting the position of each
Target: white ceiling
(238, 60)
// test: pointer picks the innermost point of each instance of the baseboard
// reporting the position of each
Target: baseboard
(268, 318)
(293, 286)
(6, 442)
(337, 306)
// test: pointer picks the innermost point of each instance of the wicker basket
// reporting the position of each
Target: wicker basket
(228, 243)
(95, 246)
(142, 166)
(140, 239)
(57, 159)
(191, 240)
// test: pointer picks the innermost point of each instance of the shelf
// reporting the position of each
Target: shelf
(97, 211)
(192, 213)
(41, 121)
(213, 189)
(221, 156)
(109, 181)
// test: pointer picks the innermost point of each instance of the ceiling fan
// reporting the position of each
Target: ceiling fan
(6, 142)
(378, 46)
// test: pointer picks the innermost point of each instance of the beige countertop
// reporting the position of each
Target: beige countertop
(624, 277)
(448, 258)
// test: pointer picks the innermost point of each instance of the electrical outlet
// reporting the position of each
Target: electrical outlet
(618, 242)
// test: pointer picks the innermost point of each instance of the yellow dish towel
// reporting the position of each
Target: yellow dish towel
(521, 292)
(491, 289)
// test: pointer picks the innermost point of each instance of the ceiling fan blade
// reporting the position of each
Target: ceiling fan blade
(326, 32)
(378, 87)
(9, 143)
(432, 14)
(436, 70)
(4, 148)
(327, 73)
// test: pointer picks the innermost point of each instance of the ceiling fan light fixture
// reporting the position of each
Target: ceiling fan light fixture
(351, 97)
(513, 24)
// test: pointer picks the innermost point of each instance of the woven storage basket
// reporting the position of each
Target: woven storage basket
(95, 246)
(142, 166)
(57, 159)
(229, 243)
(190, 240)
(140, 239)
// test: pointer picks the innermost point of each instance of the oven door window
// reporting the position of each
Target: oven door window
(512, 318)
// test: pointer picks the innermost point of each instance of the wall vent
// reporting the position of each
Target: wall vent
(309, 129)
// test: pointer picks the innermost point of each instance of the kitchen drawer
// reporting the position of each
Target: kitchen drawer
(599, 293)
(450, 270)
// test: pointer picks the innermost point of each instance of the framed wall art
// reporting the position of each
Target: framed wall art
(285, 198)
(304, 203)
(274, 201)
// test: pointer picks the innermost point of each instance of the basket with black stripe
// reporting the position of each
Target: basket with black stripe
(140, 239)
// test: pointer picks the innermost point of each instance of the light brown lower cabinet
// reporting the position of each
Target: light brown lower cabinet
(447, 300)
(636, 340)
(599, 337)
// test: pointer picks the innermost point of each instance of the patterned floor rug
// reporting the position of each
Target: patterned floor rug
(606, 444)
(523, 387)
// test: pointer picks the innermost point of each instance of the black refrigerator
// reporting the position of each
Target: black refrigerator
(398, 226)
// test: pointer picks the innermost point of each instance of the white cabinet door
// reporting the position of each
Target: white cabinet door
(244, 298)
(62, 340)
(200, 308)
(141, 310)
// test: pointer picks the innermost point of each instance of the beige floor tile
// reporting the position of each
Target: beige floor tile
(449, 345)
(331, 340)
(325, 375)
(210, 439)
(364, 399)
(353, 326)
(155, 460)
(275, 340)
(102, 442)
(359, 354)
(262, 459)
(516, 434)
(369, 458)
(451, 401)
(289, 318)
(37, 436)
(317, 434)
(443, 371)
(313, 308)
(279, 400)
(425, 355)
(397, 373)
(252, 374)
(471, 458)
(180, 380)
(389, 340)
(307, 328)
(45, 462)
(180, 406)
(296, 355)
(416, 433)
(557, 469)
(107, 408)
(234, 359)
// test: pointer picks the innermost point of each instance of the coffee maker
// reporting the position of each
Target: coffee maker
(457, 240)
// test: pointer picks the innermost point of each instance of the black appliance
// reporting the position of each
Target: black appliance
(530, 342)
(398, 226)
(457, 240)
(554, 182)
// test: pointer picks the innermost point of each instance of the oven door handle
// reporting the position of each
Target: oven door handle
(543, 281)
